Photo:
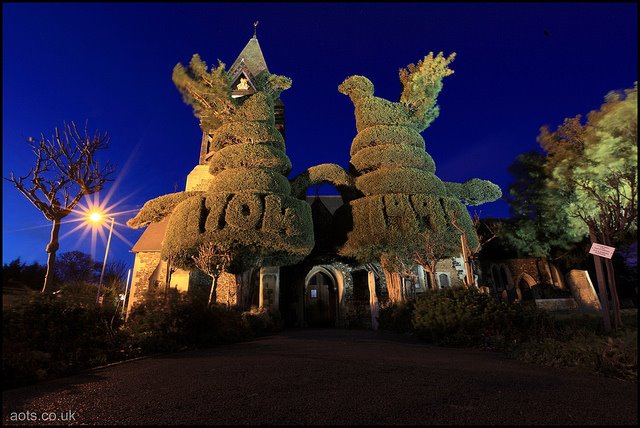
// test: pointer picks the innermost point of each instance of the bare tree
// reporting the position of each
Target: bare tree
(431, 251)
(213, 260)
(470, 254)
(64, 172)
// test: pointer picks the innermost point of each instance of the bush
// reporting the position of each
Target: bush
(396, 317)
(48, 337)
(466, 317)
(586, 351)
(262, 322)
(179, 321)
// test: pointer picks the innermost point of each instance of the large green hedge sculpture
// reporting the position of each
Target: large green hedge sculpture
(248, 207)
(403, 199)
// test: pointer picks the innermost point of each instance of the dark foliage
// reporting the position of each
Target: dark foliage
(19, 273)
(48, 337)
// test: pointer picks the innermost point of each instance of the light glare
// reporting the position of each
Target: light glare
(95, 217)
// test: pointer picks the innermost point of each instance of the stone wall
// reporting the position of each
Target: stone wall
(147, 271)
(198, 178)
(537, 269)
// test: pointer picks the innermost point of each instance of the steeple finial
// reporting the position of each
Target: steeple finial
(255, 28)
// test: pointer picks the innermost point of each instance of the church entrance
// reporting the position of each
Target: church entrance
(320, 300)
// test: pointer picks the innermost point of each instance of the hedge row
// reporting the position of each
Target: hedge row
(384, 135)
(250, 155)
(246, 132)
(250, 179)
(157, 209)
(400, 180)
(474, 191)
(253, 224)
(390, 156)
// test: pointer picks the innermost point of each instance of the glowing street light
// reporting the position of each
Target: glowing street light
(96, 217)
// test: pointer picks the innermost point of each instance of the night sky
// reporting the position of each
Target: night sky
(518, 67)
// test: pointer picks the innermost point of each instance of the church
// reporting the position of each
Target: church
(323, 290)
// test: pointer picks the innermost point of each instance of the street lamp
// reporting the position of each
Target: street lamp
(96, 217)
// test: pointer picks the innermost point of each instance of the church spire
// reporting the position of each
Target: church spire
(250, 59)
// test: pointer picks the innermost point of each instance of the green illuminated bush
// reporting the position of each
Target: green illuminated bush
(474, 191)
(247, 132)
(466, 317)
(324, 173)
(403, 199)
(390, 156)
(157, 209)
(400, 180)
(250, 155)
(385, 134)
(248, 208)
(259, 180)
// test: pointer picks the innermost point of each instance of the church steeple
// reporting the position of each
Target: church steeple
(245, 71)
(250, 61)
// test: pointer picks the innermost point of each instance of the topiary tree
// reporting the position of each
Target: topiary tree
(402, 198)
(248, 205)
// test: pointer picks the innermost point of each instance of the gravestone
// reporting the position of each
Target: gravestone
(582, 290)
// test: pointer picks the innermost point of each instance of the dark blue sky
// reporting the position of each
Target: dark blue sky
(518, 67)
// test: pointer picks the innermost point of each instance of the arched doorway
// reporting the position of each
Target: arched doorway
(320, 299)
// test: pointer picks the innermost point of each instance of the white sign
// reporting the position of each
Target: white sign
(601, 250)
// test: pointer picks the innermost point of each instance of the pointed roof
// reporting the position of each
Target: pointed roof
(152, 237)
(251, 59)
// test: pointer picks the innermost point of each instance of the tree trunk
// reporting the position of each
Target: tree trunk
(602, 286)
(617, 318)
(469, 280)
(613, 289)
(394, 287)
(213, 291)
(431, 275)
(51, 249)
(167, 280)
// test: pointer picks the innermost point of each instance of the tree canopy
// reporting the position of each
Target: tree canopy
(593, 167)
(592, 170)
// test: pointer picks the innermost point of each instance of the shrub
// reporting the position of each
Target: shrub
(48, 336)
(466, 317)
(400, 180)
(586, 351)
(178, 321)
(396, 317)
(263, 322)
(250, 155)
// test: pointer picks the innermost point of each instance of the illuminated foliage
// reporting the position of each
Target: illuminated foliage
(592, 169)
(403, 199)
(248, 207)
(324, 173)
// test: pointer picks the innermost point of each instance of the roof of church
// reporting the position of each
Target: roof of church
(152, 237)
(332, 202)
(251, 57)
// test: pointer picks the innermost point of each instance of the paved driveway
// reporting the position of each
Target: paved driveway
(327, 377)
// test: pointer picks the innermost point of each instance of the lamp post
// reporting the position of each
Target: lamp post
(95, 217)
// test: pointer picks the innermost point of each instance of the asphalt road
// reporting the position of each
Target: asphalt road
(326, 377)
